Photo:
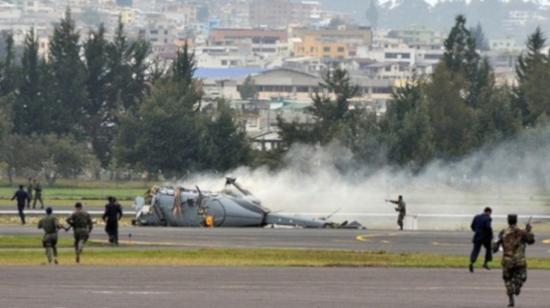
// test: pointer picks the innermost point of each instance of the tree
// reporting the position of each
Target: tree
(63, 157)
(460, 50)
(248, 89)
(453, 120)
(533, 71)
(330, 111)
(9, 74)
(408, 129)
(98, 113)
(30, 111)
(479, 36)
(67, 78)
(166, 136)
(228, 147)
(119, 55)
(372, 14)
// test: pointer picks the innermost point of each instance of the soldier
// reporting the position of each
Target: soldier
(51, 225)
(483, 236)
(401, 209)
(82, 224)
(22, 199)
(29, 191)
(514, 266)
(113, 213)
(37, 194)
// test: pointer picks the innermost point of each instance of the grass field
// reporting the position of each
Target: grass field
(24, 250)
(246, 257)
(91, 193)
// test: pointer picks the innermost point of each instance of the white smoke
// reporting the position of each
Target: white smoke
(510, 177)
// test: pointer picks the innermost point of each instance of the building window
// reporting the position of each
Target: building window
(341, 49)
(326, 49)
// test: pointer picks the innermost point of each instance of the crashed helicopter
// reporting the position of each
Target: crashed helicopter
(184, 207)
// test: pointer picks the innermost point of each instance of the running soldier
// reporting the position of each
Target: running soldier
(50, 225)
(29, 191)
(401, 209)
(22, 198)
(82, 225)
(37, 194)
(483, 237)
(111, 216)
(514, 265)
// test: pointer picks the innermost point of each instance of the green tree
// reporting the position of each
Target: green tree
(30, 112)
(533, 71)
(166, 135)
(119, 55)
(480, 39)
(453, 121)
(228, 146)
(248, 89)
(63, 156)
(330, 111)
(407, 128)
(9, 75)
(67, 79)
(98, 113)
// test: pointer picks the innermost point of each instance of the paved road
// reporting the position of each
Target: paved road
(443, 242)
(167, 287)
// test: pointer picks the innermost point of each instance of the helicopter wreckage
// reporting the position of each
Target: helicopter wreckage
(183, 207)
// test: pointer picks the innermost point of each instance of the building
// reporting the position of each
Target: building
(257, 36)
(287, 84)
(415, 35)
(338, 43)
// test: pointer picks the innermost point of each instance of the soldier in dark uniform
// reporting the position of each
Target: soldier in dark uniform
(113, 213)
(483, 236)
(51, 225)
(22, 199)
(82, 225)
(401, 209)
(514, 265)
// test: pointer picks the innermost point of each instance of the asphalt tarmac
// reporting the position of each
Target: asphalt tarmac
(167, 287)
(440, 242)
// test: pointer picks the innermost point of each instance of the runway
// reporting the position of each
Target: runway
(440, 242)
(166, 287)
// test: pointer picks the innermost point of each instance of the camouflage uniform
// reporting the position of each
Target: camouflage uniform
(514, 265)
(51, 225)
(402, 210)
(30, 188)
(37, 195)
(82, 226)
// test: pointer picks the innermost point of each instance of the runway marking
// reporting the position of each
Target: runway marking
(547, 242)
(362, 238)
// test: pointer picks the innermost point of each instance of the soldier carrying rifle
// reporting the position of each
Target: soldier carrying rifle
(514, 265)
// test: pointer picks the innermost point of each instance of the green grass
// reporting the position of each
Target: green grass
(26, 250)
(30, 242)
(248, 257)
(57, 193)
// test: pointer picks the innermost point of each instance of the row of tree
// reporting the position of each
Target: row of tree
(453, 112)
(106, 104)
